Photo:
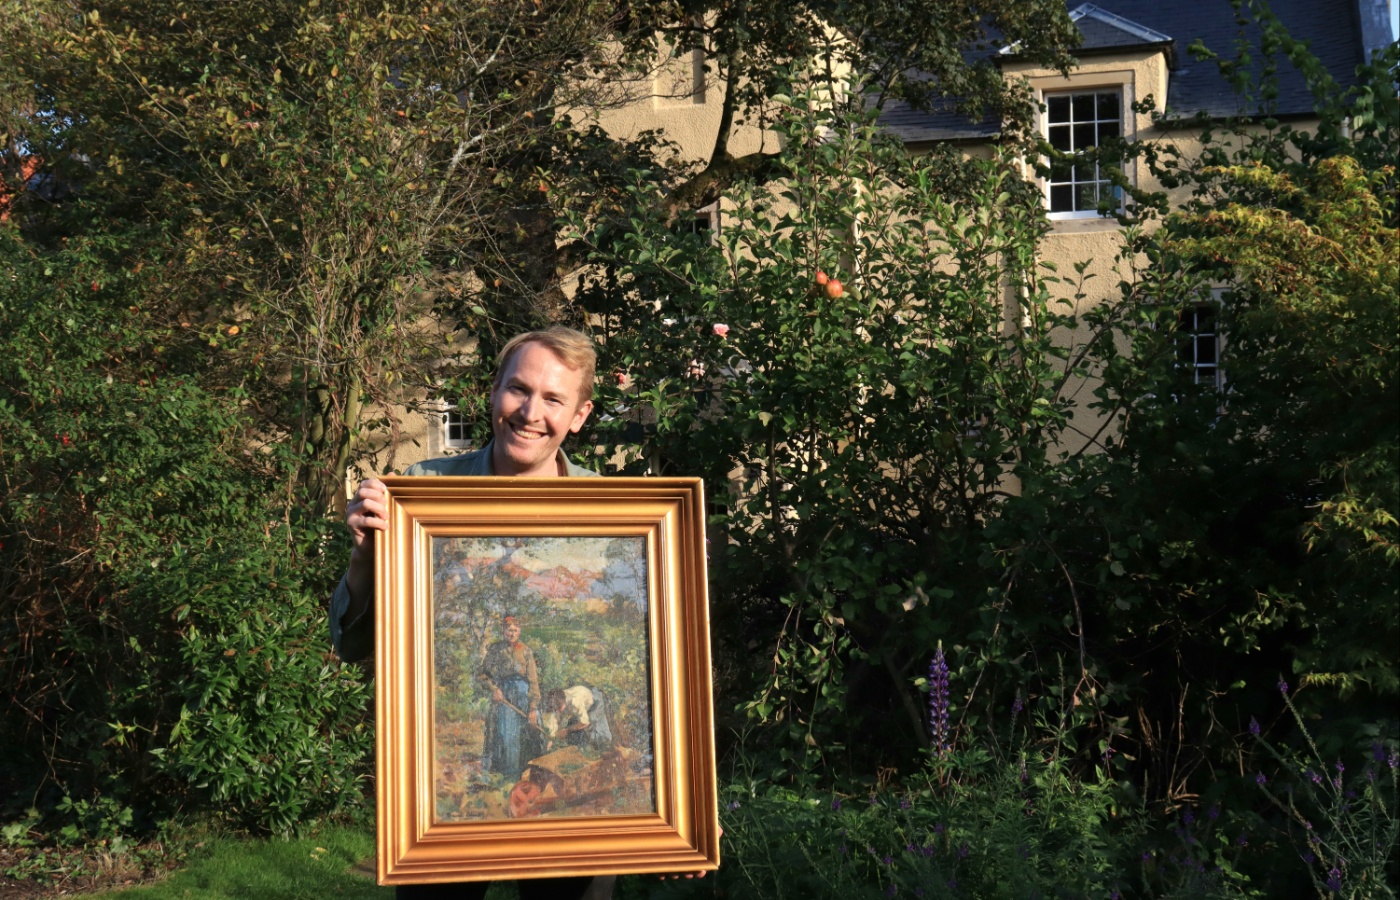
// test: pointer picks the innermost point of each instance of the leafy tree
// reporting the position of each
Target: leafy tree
(860, 436)
(926, 52)
(333, 174)
(324, 173)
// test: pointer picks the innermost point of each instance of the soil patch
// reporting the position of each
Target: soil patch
(51, 872)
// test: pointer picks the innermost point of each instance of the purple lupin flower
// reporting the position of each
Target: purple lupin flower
(1254, 726)
(1282, 686)
(938, 700)
(1334, 880)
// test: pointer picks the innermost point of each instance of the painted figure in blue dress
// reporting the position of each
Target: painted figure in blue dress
(508, 673)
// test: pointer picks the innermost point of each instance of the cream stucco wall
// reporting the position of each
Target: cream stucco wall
(1096, 243)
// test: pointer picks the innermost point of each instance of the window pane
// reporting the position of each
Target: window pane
(1205, 349)
(1186, 347)
(1080, 123)
(1108, 106)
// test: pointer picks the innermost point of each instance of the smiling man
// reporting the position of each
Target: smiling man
(543, 392)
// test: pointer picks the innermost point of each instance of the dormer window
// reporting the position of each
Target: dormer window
(1076, 122)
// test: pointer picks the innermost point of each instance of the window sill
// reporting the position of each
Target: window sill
(1084, 225)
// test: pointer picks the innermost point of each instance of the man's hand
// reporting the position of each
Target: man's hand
(365, 514)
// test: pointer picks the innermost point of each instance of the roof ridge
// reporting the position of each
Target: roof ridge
(1120, 22)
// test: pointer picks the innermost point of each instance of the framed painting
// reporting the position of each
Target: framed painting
(543, 679)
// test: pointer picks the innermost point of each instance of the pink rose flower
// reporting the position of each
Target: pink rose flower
(721, 329)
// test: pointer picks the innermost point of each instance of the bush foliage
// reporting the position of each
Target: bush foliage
(163, 631)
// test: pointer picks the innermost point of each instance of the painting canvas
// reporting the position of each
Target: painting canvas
(540, 658)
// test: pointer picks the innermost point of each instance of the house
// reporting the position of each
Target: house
(1136, 79)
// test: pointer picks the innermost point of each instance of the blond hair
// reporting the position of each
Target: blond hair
(573, 347)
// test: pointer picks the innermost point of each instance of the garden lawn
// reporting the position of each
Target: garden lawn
(324, 865)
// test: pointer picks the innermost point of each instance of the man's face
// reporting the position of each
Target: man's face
(511, 632)
(537, 402)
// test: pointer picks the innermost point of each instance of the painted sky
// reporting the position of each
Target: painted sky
(576, 554)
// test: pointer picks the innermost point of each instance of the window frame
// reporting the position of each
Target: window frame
(1074, 124)
(1121, 80)
(445, 413)
(1213, 303)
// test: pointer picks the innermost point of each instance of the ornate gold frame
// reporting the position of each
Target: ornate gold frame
(683, 834)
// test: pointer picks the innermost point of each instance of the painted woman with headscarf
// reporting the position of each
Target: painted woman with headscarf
(508, 672)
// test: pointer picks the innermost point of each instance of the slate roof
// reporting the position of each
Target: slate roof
(943, 123)
(1332, 28)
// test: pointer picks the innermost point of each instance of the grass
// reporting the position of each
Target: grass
(336, 862)
(317, 867)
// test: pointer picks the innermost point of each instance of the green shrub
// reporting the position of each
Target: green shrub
(969, 825)
(160, 603)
